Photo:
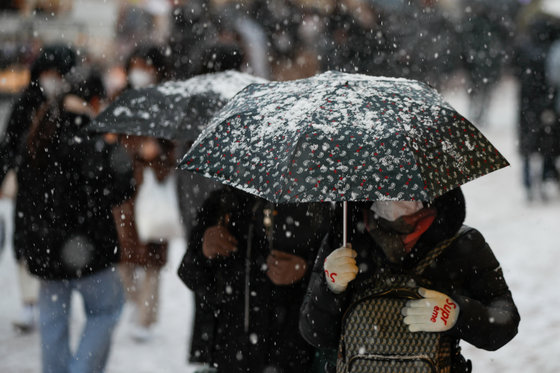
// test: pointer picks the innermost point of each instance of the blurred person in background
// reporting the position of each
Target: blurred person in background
(538, 118)
(68, 183)
(141, 262)
(39, 98)
(486, 39)
(191, 29)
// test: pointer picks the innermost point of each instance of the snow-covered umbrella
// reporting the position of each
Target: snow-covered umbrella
(174, 110)
(342, 137)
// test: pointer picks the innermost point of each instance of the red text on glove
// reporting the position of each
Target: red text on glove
(331, 275)
(449, 305)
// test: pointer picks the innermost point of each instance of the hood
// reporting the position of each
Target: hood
(451, 212)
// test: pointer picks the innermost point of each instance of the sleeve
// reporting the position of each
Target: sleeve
(196, 271)
(109, 170)
(18, 124)
(321, 311)
(488, 317)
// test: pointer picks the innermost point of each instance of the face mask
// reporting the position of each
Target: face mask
(392, 210)
(387, 236)
(140, 78)
(396, 238)
(51, 86)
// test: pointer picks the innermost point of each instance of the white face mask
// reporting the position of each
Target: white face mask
(140, 78)
(51, 86)
(392, 210)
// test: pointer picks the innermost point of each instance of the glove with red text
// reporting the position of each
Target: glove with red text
(435, 312)
(340, 268)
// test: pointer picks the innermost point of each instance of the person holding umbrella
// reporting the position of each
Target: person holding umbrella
(142, 260)
(461, 290)
(394, 144)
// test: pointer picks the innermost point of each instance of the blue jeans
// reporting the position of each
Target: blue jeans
(103, 298)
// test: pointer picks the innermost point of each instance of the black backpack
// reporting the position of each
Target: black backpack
(374, 337)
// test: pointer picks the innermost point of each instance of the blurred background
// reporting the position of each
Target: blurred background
(496, 61)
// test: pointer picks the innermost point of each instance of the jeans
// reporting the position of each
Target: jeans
(103, 298)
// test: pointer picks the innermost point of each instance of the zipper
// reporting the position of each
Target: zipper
(247, 294)
(248, 256)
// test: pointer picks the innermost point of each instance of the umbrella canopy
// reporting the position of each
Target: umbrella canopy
(175, 110)
(342, 137)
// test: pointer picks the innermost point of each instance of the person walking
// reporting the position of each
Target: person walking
(45, 87)
(538, 118)
(248, 263)
(141, 262)
(422, 271)
(68, 182)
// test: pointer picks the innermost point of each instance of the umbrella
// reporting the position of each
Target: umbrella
(342, 137)
(172, 110)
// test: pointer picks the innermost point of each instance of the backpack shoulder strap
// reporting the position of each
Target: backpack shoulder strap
(433, 254)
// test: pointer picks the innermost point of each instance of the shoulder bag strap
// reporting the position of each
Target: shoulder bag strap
(432, 255)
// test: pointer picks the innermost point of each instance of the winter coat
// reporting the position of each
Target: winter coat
(132, 250)
(32, 106)
(467, 271)
(220, 285)
(68, 182)
(538, 129)
(23, 111)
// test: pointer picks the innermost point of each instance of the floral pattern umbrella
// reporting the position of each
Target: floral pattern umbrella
(175, 110)
(342, 137)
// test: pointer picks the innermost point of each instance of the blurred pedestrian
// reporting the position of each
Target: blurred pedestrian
(141, 262)
(538, 118)
(36, 102)
(191, 28)
(247, 261)
(416, 274)
(68, 183)
(486, 48)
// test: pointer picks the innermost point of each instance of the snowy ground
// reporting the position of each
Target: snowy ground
(522, 235)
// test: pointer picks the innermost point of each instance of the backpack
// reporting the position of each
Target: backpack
(374, 337)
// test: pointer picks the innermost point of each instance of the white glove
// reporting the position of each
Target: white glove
(340, 268)
(436, 312)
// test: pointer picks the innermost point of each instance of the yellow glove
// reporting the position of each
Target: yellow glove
(436, 312)
(340, 268)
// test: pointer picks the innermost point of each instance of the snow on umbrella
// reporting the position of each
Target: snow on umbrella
(172, 110)
(342, 137)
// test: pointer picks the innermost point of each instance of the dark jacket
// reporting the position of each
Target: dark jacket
(68, 183)
(538, 119)
(57, 57)
(272, 338)
(23, 111)
(467, 271)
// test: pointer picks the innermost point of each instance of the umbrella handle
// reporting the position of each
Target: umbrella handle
(344, 222)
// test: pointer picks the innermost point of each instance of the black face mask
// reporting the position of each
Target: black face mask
(387, 234)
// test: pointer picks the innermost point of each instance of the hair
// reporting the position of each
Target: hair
(221, 57)
(451, 213)
(88, 85)
(59, 57)
(153, 56)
